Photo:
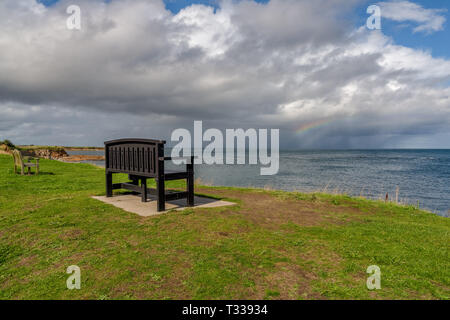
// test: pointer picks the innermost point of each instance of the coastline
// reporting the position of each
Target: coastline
(84, 148)
(374, 174)
(80, 158)
(200, 183)
(59, 153)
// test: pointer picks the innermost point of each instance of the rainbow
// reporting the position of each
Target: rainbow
(312, 125)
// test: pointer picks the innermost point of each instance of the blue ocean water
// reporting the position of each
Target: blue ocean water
(421, 176)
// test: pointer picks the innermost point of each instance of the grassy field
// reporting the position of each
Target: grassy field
(272, 245)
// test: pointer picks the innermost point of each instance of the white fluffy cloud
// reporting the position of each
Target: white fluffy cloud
(427, 20)
(136, 69)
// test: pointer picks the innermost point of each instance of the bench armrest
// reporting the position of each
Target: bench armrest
(178, 158)
(28, 159)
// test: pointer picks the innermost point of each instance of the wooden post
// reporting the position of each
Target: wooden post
(396, 194)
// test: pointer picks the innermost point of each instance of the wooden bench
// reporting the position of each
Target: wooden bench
(142, 159)
(24, 162)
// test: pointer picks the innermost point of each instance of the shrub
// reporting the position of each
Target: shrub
(8, 143)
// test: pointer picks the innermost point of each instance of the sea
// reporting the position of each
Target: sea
(415, 177)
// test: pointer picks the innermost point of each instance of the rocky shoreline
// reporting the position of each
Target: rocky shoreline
(78, 158)
(55, 153)
(84, 148)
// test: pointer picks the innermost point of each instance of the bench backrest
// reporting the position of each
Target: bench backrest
(18, 161)
(134, 156)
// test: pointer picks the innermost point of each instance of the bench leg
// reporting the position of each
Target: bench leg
(160, 180)
(37, 168)
(109, 186)
(134, 179)
(161, 200)
(144, 189)
(190, 185)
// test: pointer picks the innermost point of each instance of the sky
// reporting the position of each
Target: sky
(140, 68)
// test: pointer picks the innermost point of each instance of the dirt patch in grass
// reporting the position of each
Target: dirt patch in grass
(152, 284)
(269, 211)
(175, 284)
(286, 282)
(72, 234)
(27, 261)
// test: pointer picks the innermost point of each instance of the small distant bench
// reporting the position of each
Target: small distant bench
(21, 162)
(143, 159)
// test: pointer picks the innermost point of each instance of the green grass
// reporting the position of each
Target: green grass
(310, 246)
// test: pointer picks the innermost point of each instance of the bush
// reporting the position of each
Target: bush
(8, 143)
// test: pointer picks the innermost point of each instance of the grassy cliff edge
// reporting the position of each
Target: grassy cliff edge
(272, 245)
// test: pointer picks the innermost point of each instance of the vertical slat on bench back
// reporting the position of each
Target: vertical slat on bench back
(132, 157)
